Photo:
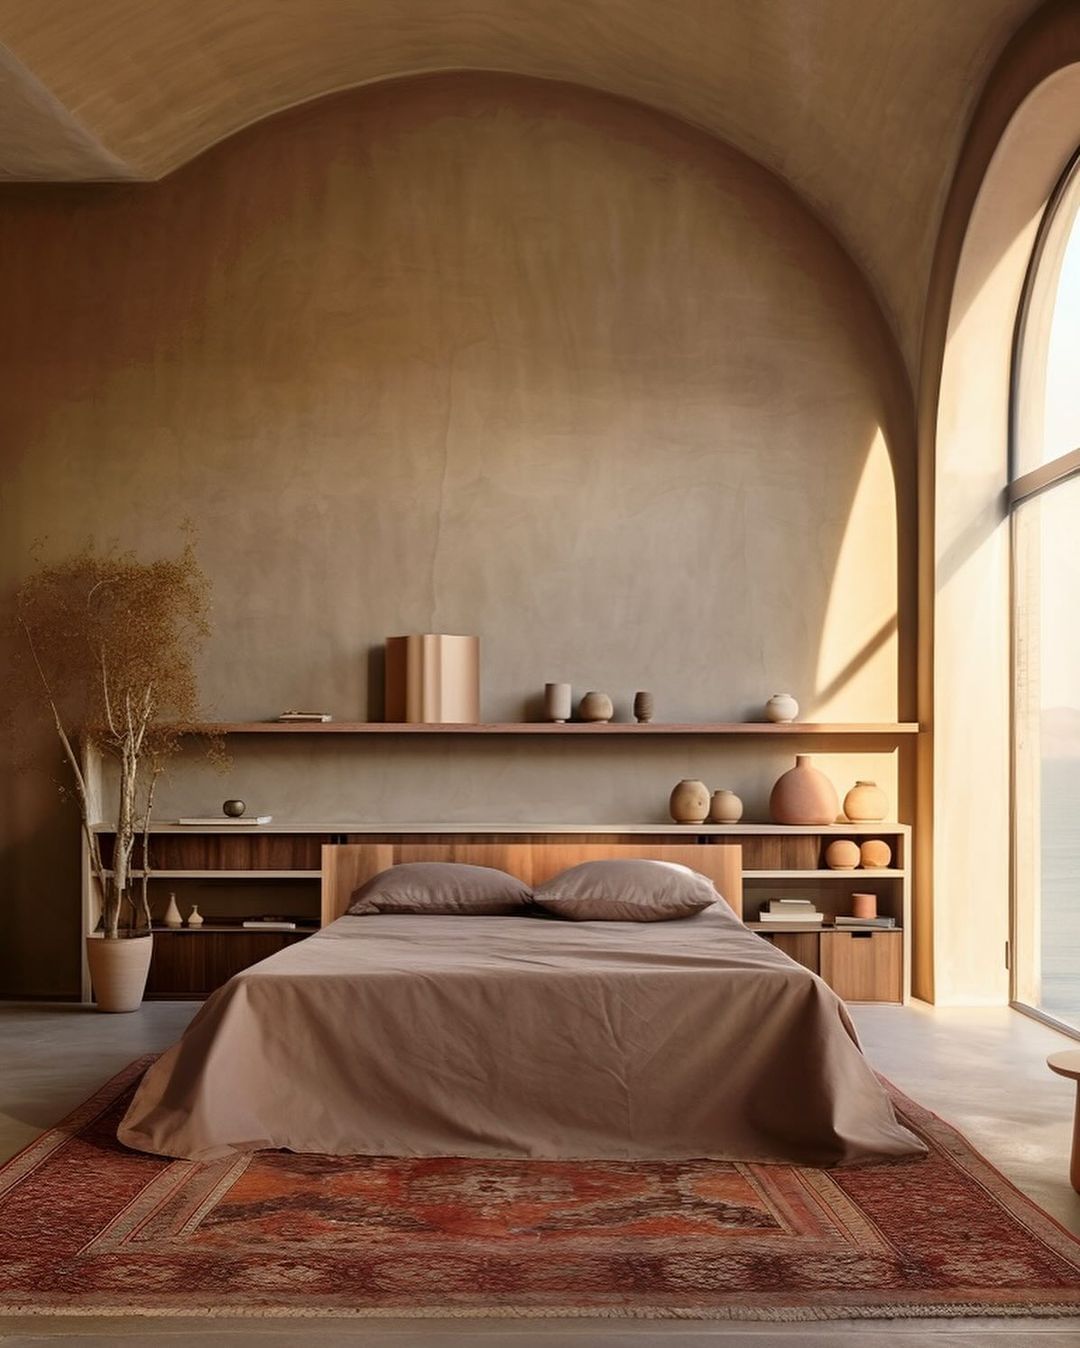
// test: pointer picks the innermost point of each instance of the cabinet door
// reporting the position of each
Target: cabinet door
(801, 946)
(864, 966)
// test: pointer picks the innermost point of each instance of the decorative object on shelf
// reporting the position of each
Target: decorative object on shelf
(195, 918)
(780, 708)
(842, 855)
(866, 803)
(596, 707)
(726, 808)
(234, 808)
(875, 855)
(172, 916)
(689, 802)
(319, 717)
(644, 705)
(433, 678)
(112, 645)
(246, 821)
(803, 795)
(864, 905)
(558, 702)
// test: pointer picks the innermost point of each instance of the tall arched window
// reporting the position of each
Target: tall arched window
(1044, 495)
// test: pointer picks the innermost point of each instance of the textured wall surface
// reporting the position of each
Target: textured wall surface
(465, 354)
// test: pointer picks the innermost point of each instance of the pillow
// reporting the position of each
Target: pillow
(441, 887)
(626, 891)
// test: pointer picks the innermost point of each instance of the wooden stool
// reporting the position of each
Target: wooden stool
(1067, 1064)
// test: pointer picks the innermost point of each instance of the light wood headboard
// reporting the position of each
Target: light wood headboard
(345, 866)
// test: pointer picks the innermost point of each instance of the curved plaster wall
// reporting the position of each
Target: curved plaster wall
(475, 354)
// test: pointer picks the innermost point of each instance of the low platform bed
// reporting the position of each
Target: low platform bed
(522, 1036)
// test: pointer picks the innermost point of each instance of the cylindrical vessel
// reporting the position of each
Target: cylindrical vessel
(842, 855)
(803, 795)
(875, 854)
(643, 706)
(781, 707)
(558, 702)
(726, 808)
(864, 905)
(596, 707)
(866, 803)
(689, 802)
(118, 970)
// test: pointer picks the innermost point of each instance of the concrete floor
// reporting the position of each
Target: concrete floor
(982, 1069)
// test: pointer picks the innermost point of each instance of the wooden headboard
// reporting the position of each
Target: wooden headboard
(345, 866)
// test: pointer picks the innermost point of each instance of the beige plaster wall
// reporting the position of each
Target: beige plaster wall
(465, 354)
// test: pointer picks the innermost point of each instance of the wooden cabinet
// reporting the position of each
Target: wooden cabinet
(189, 965)
(859, 966)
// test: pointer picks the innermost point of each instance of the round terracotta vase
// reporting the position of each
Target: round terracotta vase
(118, 970)
(803, 795)
(842, 855)
(866, 803)
(689, 802)
(875, 854)
(726, 808)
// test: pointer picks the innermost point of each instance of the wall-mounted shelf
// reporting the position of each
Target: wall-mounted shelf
(852, 876)
(887, 729)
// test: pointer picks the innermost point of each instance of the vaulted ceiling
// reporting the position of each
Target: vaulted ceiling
(860, 105)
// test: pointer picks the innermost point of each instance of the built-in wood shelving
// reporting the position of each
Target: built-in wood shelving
(890, 729)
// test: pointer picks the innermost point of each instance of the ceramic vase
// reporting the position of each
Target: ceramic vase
(781, 707)
(643, 706)
(172, 916)
(234, 808)
(596, 707)
(195, 918)
(842, 855)
(803, 795)
(864, 905)
(689, 802)
(875, 855)
(726, 808)
(118, 970)
(558, 702)
(866, 803)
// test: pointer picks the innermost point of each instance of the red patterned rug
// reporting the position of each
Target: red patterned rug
(87, 1227)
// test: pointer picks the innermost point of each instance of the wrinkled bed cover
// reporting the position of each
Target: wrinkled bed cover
(522, 1037)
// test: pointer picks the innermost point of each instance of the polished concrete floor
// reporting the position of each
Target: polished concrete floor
(982, 1069)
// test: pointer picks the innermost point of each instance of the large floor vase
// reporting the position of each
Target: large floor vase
(118, 970)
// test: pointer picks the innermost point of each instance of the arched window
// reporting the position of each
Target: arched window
(1044, 494)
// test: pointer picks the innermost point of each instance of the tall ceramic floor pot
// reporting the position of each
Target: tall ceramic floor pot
(118, 970)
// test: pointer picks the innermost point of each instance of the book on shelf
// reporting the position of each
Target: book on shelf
(881, 923)
(304, 716)
(268, 924)
(214, 820)
(791, 905)
(791, 919)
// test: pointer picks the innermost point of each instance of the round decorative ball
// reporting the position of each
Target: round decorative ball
(803, 796)
(689, 802)
(643, 706)
(866, 803)
(726, 808)
(596, 707)
(781, 707)
(234, 808)
(875, 854)
(842, 855)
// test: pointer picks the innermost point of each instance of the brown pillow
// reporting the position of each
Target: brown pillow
(441, 887)
(626, 891)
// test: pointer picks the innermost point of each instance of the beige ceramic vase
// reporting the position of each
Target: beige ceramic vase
(596, 707)
(866, 803)
(689, 802)
(118, 970)
(726, 808)
(803, 795)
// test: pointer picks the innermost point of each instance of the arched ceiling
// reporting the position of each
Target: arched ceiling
(860, 104)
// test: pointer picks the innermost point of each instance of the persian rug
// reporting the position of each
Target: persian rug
(87, 1227)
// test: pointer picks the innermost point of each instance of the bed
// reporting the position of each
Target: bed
(516, 1036)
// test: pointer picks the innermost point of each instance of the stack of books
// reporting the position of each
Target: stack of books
(790, 912)
(305, 716)
(883, 923)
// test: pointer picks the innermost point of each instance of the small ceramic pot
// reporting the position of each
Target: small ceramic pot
(864, 905)
(803, 796)
(726, 808)
(781, 707)
(689, 802)
(172, 916)
(118, 970)
(866, 803)
(842, 855)
(234, 808)
(195, 918)
(558, 702)
(643, 706)
(596, 707)
(875, 855)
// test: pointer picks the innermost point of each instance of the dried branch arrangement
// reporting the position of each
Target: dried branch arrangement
(111, 642)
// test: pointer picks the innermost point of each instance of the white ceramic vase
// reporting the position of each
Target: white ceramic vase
(118, 970)
(172, 916)
(781, 707)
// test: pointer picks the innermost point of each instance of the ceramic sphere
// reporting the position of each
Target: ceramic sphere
(726, 808)
(689, 802)
(842, 855)
(234, 808)
(596, 707)
(875, 854)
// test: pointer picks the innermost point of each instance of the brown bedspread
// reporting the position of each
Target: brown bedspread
(522, 1037)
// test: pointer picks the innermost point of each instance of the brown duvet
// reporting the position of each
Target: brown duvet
(522, 1037)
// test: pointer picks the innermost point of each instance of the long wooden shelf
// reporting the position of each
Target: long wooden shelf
(851, 876)
(337, 827)
(793, 728)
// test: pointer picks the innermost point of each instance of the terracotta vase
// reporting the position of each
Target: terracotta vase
(866, 803)
(689, 802)
(875, 854)
(803, 795)
(781, 708)
(596, 707)
(842, 855)
(118, 970)
(864, 905)
(726, 808)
